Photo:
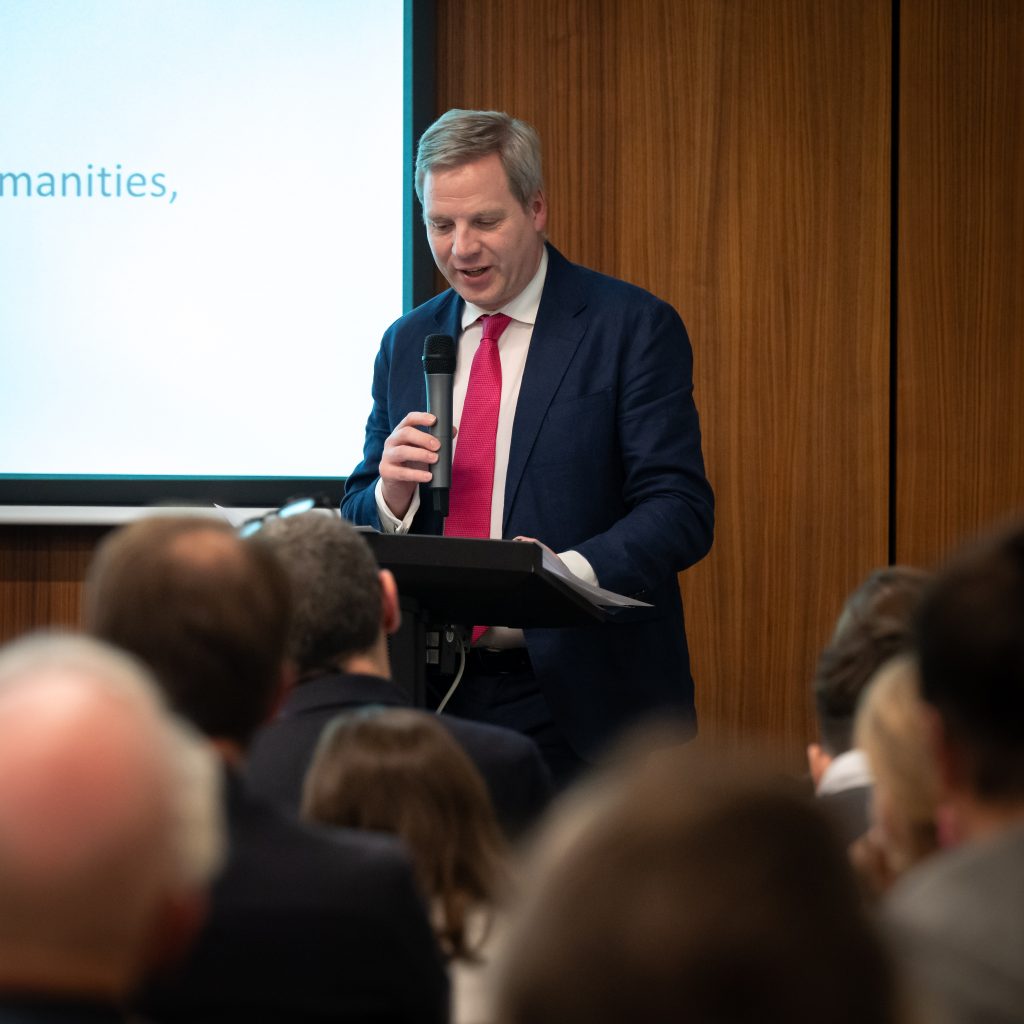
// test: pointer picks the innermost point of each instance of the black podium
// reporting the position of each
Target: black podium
(455, 581)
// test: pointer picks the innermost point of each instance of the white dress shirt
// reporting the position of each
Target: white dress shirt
(849, 770)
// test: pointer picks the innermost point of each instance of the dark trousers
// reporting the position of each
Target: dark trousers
(499, 688)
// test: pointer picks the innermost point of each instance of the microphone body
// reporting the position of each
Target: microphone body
(439, 373)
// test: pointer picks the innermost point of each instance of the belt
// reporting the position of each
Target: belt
(499, 663)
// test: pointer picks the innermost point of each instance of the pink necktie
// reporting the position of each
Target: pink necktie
(473, 464)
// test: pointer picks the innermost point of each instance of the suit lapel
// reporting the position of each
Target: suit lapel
(408, 366)
(561, 324)
(449, 315)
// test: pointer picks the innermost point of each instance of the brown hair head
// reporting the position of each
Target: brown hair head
(398, 770)
(970, 638)
(695, 894)
(207, 613)
(892, 592)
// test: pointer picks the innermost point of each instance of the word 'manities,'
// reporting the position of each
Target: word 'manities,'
(89, 184)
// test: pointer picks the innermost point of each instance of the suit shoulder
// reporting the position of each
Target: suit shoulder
(602, 288)
(421, 320)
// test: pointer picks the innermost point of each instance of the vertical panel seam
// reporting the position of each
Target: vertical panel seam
(894, 212)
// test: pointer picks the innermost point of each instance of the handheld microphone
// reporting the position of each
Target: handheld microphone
(439, 371)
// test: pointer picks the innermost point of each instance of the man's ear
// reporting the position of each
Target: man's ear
(818, 762)
(390, 612)
(949, 758)
(178, 922)
(538, 210)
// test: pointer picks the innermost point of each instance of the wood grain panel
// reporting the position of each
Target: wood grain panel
(41, 573)
(732, 157)
(960, 450)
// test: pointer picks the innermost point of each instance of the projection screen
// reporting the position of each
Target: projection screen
(201, 243)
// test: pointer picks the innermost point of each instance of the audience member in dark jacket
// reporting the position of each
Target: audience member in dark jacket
(304, 925)
(345, 607)
(873, 627)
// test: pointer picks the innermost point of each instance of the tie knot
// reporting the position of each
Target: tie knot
(494, 324)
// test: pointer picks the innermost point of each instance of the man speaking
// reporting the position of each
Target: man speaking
(576, 426)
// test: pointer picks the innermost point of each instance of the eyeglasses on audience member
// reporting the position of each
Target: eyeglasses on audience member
(292, 507)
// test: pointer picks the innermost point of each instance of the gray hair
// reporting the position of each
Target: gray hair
(461, 136)
(335, 583)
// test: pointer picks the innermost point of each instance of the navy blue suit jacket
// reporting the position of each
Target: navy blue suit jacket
(280, 754)
(606, 460)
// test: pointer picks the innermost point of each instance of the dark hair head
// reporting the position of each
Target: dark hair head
(335, 588)
(693, 895)
(892, 592)
(207, 613)
(844, 669)
(398, 770)
(459, 137)
(970, 634)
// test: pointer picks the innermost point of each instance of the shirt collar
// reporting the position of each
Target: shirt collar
(847, 771)
(523, 307)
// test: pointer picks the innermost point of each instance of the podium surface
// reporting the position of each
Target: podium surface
(457, 580)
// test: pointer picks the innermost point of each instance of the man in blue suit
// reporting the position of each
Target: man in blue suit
(596, 446)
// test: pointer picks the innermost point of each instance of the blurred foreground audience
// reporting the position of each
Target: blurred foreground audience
(110, 830)
(893, 730)
(686, 893)
(873, 626)
(396, 770)
(304, 924)
(345, 609)
(959, 917)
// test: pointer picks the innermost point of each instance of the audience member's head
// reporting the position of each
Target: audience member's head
(206, 611)
(109, 821)
(892, 592)
(892, 729)
(344, 604)
(843, 671)
(971, 650)
(398, 770)
(874, 626)
(693, 895)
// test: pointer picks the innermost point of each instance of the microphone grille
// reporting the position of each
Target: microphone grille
(439, 354)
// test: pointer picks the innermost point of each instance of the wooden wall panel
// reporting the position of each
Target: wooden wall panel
(960, 429)
(732, 157)
(41, 573)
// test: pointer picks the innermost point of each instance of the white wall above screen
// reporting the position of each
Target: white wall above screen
(221, 315)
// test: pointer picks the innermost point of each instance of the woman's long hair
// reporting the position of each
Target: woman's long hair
(398, 770)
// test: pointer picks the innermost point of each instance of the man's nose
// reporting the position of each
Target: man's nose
(465, 241)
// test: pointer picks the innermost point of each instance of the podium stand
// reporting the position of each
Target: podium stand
(456, 581)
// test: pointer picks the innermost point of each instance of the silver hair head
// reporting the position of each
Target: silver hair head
(462, 136)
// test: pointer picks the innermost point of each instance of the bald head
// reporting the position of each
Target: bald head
(108, 815)
(207, 613)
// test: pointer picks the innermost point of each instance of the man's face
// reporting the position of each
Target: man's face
(484, 242)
